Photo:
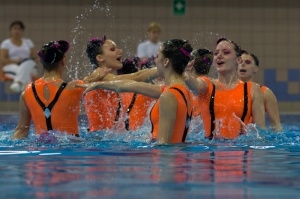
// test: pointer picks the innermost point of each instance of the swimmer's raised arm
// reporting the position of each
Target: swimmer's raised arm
(23, 126)
(167, 117)
(146, 75)
(196, 85)
(97, 75)
(146, 89)
(271, 107)
(258, 112)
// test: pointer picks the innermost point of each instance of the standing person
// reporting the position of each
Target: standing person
(18, 58)
(246, 70)
(171, 114)
(50, 102)
(149, 48)
(230, 102)
(106, 110)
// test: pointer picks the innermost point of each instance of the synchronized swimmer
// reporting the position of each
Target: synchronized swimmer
(225, 104)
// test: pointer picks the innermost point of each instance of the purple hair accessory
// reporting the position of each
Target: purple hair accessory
(148, 63)
(206, 60)
(94, 39)
(101, 40)
(56, 44)
(186, 53)
(42, 57)
(128, 61)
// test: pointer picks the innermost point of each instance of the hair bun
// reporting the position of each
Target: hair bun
(130, 65)
(53, 51)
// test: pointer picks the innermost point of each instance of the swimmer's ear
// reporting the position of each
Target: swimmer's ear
(239, 60)
(99, 58)
(166, 62)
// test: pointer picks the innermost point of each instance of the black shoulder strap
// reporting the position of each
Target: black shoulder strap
(119, 108)
(188, 116)
(245, 102)
(128, 111)
(212, 111)
(47, 109)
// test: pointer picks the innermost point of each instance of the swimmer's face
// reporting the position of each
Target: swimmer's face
(247, 67)
(159, 62)
(225, 58)
(111, 56)
(16, 31)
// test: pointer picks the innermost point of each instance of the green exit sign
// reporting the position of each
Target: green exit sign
(179, 7)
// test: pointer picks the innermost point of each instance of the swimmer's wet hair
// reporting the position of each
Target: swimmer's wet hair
(237, 48)
(52, 52)
(203, 60)
(255, 58)
(130, 65)
(178, 51)
(93, 49)
(147, 63)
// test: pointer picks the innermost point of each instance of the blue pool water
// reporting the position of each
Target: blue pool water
(115, 165)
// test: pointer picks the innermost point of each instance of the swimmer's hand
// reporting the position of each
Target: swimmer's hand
(89, 87)
(189, 67)
(97, 75)
(109, 85)
(117, 86)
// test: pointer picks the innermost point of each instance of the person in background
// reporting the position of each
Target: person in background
(149, 48)
(231, 103)
(49, 102)
(172, 112)
(199, 66)
(18, 58)
(246, 70)
(106, 110)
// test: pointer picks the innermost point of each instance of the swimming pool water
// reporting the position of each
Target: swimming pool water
(115, 165)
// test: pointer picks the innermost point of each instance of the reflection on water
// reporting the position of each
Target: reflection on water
(178, 171)
(115, 165)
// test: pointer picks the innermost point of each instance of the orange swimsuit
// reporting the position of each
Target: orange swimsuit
(60, 112)
(137, 110)
(183, 114)
(223, 110)
(104, 109)
(199, 104)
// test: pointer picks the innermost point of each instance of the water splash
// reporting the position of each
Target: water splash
(80, 65)
(203, 39)
(142, 138)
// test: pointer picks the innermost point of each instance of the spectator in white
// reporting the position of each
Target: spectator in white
(18, 58)
(150, 47)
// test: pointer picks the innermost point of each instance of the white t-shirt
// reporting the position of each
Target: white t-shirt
(148, 49)
(17, 52)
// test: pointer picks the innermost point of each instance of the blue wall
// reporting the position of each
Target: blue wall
(280, 88)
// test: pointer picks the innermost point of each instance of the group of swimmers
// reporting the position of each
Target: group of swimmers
(116, 99)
